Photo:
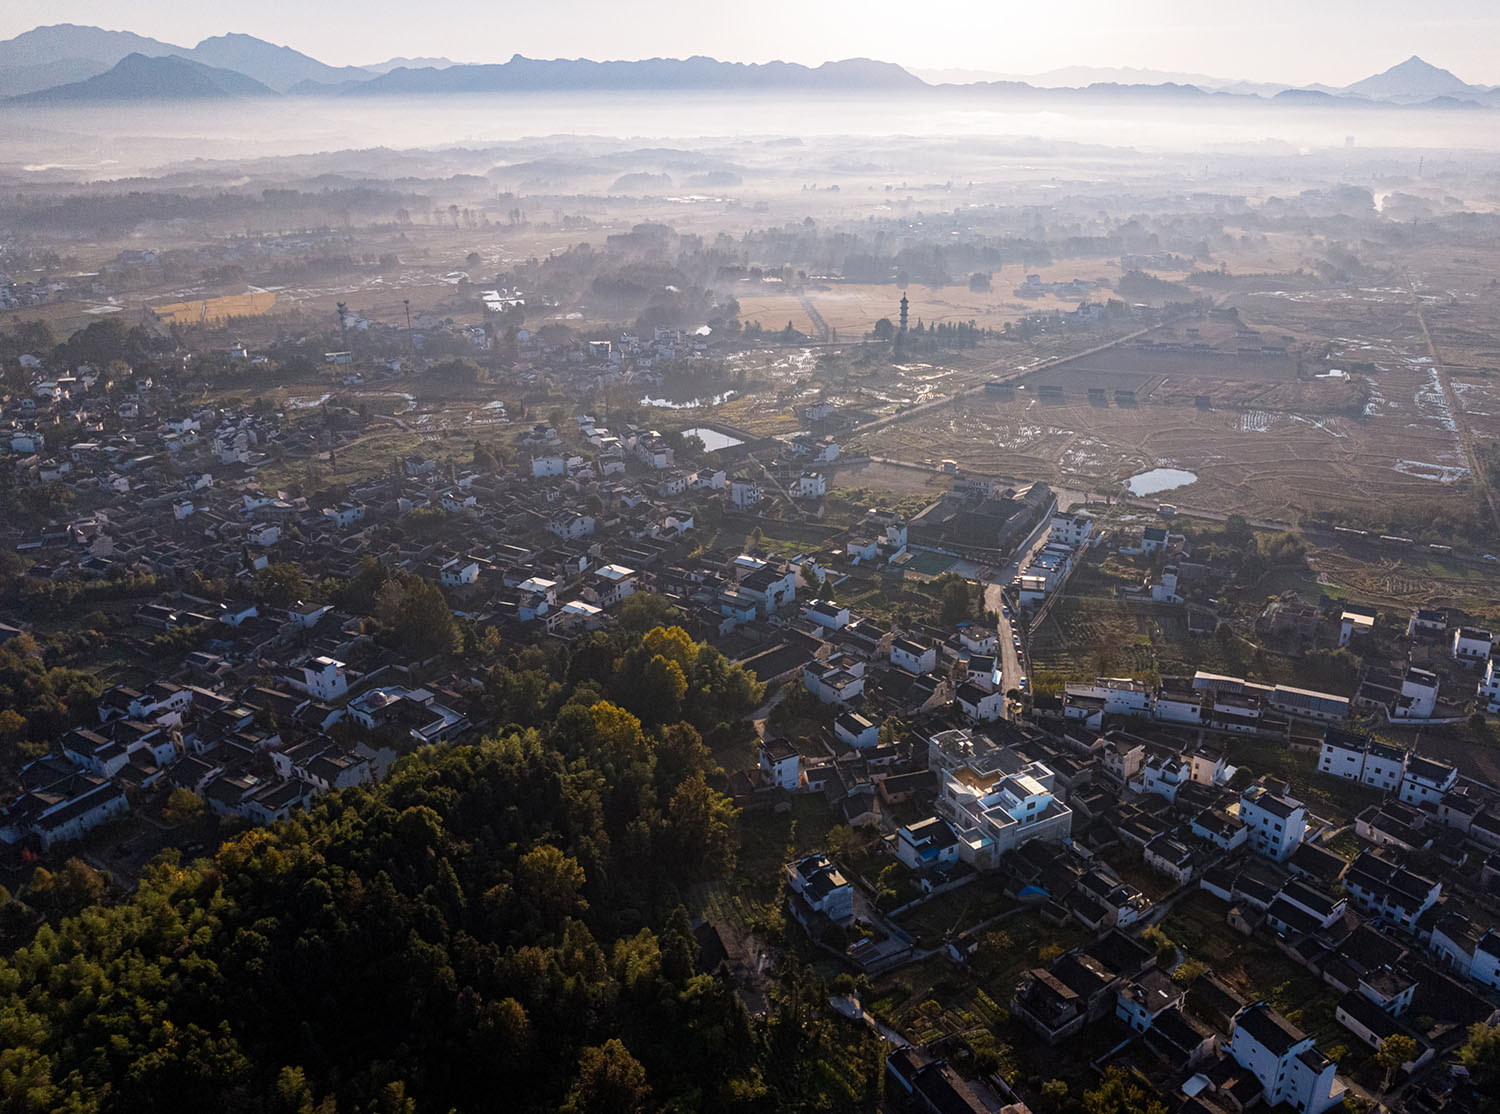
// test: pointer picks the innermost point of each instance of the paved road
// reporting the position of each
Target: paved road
(1011, 374)
(1012, 657)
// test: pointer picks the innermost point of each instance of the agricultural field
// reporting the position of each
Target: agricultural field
(1083, 637)
(853, 308)
(1260, 461)
(1402, 578)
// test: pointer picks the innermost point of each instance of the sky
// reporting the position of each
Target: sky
(1294, 41)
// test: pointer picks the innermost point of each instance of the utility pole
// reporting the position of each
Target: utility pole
(407, 303)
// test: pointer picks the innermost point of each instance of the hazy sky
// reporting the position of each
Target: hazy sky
(1334, 41)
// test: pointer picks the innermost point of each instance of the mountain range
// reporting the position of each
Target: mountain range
(66, 63)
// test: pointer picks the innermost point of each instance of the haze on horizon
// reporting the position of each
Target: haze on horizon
(1335, 42)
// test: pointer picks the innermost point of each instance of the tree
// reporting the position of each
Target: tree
(1055, 1094)
(423, 624)
(663, 687)
(1120, 1093)
(701, 827)
(550, 883)
(956, 600)
(644, 610)
(182, 807)
(994, 948)
(1396, 1050)
(1481, 1051)
(279, 584)
(610, 1081)
(1157, 939)
(884, 329)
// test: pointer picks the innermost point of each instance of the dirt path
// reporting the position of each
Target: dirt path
(1450, 396)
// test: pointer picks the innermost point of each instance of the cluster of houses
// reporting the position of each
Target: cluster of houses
(1401, 932)
(1210, 700)
(247, 749)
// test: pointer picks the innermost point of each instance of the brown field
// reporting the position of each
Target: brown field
(853, 308)
(1262, 462)
(213, 310)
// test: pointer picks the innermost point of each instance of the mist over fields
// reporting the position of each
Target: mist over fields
(112, 140)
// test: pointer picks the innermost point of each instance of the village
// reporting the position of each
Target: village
(1145, 822)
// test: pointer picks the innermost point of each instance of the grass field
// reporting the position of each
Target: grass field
(1084, 637)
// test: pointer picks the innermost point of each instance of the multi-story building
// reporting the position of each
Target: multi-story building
(1384, 889)
(993, 799)
(1427, 782)
(1276, 823)
(1282, 1057)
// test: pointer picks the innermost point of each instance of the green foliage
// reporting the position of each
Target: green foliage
(40, 701)
(956, 598)
(418, 617)
(1395, 1050)
(1121, 1093)
(498, 919)
(182, 807)
(279, 584)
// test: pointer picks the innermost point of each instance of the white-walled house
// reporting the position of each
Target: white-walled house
(978, 704)
(856, 730)
(323, 678)
(1072, 530)
(610, 584)
(927, 844)
(1472, 644)
(744, 493)
(1427, 782)
(780, 764)
(1489, 686)
(1419, 693)
(809, 485)
(913, 656)
(1289, 1068)
(1276, 824)
(459, 572)
(823, 887)
(1385, 890)
(827, 614)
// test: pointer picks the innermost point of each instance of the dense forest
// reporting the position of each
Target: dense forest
(498, 926)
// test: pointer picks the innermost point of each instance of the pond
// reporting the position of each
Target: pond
(689, 403)
(712, 439)
(1159, 479)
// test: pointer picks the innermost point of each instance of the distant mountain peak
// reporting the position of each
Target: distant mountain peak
(138, 77)
(1415, 77)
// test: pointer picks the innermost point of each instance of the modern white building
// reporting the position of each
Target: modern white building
(1276, 823)
(994, 799)
(1071, 530)
(1282, 1057)
(1427, 782)
(744, 493)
